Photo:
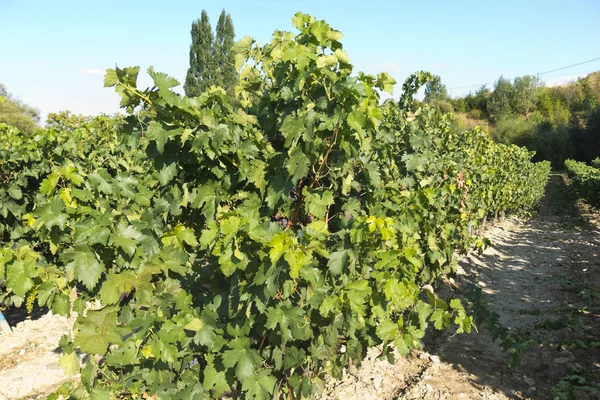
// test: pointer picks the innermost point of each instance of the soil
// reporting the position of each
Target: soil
(541, 276)
(29, 355)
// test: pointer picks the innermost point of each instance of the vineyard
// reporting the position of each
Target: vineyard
(252, 246)
(586, 179)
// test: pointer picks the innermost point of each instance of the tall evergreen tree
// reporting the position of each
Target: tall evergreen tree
(201, 73)
(226, 74)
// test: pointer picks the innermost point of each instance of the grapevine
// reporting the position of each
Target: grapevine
(250, 249)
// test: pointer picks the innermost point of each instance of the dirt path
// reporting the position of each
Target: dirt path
(541, 278)
(29, 356)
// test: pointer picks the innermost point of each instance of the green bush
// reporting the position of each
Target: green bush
(586, 180)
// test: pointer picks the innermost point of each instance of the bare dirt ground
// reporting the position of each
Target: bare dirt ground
(541, 278)
(29, 356)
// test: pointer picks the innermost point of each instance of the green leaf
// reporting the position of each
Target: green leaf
(161, 80)
(209, 235)
(194, 325)
(167, 173)
(414, 162)
(61, 305)
(297, 259)
(95, 332)
(297, 165)
(91, 232)
(337, 260)
(15, 192)
(19, 276)
(117, 285)
(387, 330)
(99, 180)
(83, 263)
(126, 237)
(279, 244)
(51, 215)
(245, 359)
(49, 183)
(441, 319)
(69, 363)
(178, 236)
(206, 198)
(160, 135)
(110, 78)
(292, 127)
(317, 204)
(213, 379)
(260, 386)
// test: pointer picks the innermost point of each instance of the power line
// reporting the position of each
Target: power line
(568, 66)
(539, 73)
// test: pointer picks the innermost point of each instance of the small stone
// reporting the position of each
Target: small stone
(529, 380)
(424, 355)
(352, 370)
(580, 395)
(22, 352)
(377, 382)
(561, 360)
(435, 359)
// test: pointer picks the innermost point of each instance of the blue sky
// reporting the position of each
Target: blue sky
(52, 53)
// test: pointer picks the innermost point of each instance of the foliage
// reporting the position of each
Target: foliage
(435, 90)
(212, 249)
(520, 131)
(499, 103)
(556, 122)
(525, 94)
(16, 113)
(585, 136)
(201, 73)
(586, 180)
(211, 60)
(226, 75)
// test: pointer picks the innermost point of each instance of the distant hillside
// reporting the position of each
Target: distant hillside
(556, 122)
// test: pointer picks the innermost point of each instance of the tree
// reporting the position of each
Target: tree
(16, 113)
(526, 94)
(499, 103)
(226, 74)
(201, 73)
(435, 90)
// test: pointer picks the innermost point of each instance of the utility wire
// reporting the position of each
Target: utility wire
(539, 73)
(568, 66)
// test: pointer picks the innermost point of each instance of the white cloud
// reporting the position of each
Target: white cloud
(93, 71)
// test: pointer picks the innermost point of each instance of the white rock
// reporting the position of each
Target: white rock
(435, 359)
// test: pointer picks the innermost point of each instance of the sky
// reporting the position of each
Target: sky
(53, 53)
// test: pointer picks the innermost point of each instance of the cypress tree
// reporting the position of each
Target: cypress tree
(226, 75)
(201, 73)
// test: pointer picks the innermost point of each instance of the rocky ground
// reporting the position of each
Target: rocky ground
(541, 277)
